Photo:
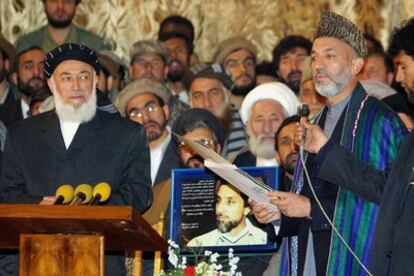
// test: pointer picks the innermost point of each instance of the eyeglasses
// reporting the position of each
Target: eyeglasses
(139, 112)
(247, 63)
(204, 141)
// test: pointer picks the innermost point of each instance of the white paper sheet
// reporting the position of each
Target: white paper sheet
(246, 183)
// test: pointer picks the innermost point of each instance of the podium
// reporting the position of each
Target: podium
(72, 240)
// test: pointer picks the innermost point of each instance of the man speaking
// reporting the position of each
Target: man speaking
(76, 143)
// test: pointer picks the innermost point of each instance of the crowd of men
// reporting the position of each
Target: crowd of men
(71, 111)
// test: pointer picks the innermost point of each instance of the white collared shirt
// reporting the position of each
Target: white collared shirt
(68, 131)
(261, 162)
(25, 108)
(157, 154)
(250, 235)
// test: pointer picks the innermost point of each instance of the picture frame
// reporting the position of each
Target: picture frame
(193, 202)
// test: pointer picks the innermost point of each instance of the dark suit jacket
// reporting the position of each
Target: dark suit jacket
(393, 244)
(169, 161)
(108, 148)
(11, 96)
(11, 112)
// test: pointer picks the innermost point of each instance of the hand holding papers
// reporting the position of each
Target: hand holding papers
(247, 184)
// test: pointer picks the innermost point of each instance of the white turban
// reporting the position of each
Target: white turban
(276, 91)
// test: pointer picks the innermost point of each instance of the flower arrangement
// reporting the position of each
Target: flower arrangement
(205, 264)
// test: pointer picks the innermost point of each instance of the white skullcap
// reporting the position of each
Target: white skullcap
(276, 91)
(377, 89)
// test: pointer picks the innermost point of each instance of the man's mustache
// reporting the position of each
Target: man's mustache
(294, 72)
(244, 75)
(152, 122)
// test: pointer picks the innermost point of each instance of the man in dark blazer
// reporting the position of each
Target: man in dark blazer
(29, 78)
(7, 56)
(76, 143)
(145, 101)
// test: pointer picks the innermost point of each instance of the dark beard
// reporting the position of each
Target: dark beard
(155, 135)
(28, 89)
(293, 84)
(243, 90)
(175, 76)
(225, 227)
(288, 167)
(59, 24)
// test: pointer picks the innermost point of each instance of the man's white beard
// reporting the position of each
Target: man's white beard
(79, 113)
(265, 150)
(336, 84)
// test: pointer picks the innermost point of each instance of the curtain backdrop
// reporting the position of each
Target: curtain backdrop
(264, 22)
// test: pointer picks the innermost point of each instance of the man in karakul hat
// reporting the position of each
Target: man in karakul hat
(76, 143)
(367, 129)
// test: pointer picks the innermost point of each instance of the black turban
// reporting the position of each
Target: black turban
(70, 51)
(192, 116)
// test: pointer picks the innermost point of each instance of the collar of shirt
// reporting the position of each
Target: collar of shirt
(261, 162)
(49, 43)
(234, 239)
(333, 114)
(182, 95)
(69, 130)
(25, 108)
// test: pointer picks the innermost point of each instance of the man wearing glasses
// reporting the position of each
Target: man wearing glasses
(145, 101)
(195, 124)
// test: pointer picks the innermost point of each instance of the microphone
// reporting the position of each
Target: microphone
(64, 194)
(83, 194)
(101, 192)
(303, 112)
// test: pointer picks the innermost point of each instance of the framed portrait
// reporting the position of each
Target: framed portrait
(208, 212)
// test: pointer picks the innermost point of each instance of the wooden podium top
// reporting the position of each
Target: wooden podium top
(123, 228)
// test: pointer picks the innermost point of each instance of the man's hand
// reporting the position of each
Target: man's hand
(291, 204)
(264, 212)
(48, 200)
(315, 137)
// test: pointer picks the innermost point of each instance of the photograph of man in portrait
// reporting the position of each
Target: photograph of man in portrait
(233, 227)
(209, 212)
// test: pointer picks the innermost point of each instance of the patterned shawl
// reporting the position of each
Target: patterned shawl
(373, 133)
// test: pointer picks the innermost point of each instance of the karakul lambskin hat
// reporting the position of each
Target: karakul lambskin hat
(337, 26)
